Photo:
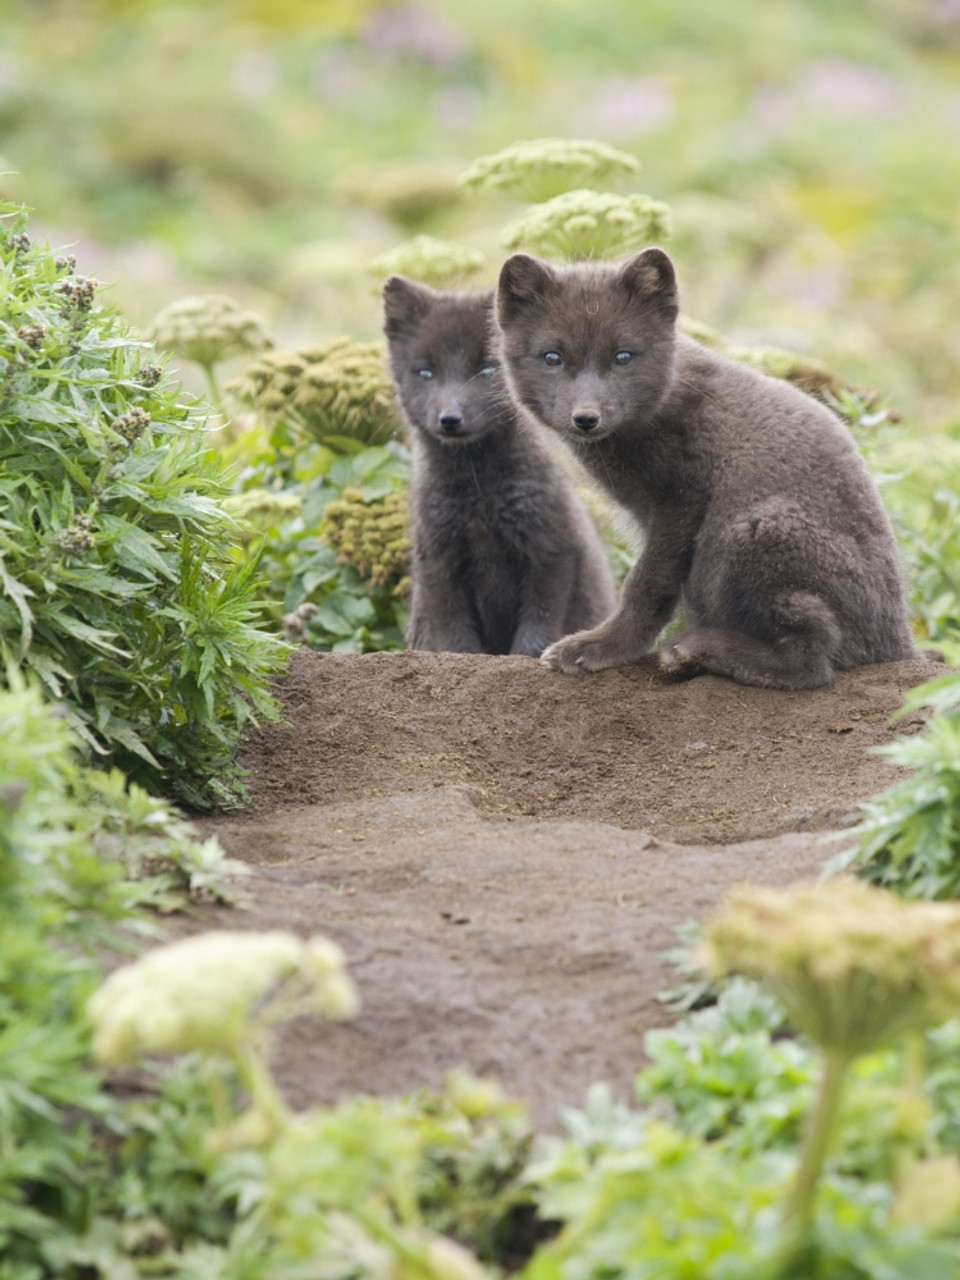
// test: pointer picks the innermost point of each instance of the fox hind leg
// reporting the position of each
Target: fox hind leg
(799, 656)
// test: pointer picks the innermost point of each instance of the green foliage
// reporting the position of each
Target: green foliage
(116, 587)
(921, 492)
(692, 1184)
(908, 837)
(63, 896)
(366, 1185)
(318, 598)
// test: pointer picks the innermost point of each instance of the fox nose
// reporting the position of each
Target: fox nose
(586, 419)
(451, 420)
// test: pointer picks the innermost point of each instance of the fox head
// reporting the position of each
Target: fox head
(442, 360)
(588, 349)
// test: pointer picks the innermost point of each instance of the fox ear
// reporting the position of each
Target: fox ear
(523, 282)
(405, 303)
(649, 276)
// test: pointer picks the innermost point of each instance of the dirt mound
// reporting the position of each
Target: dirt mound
(504, 852)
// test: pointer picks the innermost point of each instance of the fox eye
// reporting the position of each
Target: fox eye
(487, 370)
(553, 359)
(426, 374)
(623, 358)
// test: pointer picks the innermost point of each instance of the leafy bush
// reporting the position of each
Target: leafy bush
(692, 1183)
(921, 492)
(116, 585)
(68, 1150)
(909, 835)
(319, 581)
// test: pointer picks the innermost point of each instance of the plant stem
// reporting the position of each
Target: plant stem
(798, 1212)
(215, 397)
(254, 1073)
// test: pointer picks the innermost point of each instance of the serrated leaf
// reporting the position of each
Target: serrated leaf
(134, 548)
(18, 593)
(81, 630)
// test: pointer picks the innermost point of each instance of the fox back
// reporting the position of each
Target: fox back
(505, 557)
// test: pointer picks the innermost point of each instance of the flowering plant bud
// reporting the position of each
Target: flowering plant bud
(211, 992)
(545, 167)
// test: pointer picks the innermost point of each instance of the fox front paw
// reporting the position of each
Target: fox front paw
(583, 651)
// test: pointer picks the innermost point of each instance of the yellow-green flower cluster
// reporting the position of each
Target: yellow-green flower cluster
(439, 263)
(854, 966)
(336, 388)
(588, 224)
(542, 168)
(373, 537)
(209, 993)
(208, 329)
(260, 510)
(407, 194)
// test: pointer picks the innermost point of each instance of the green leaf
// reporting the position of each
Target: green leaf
(342, 613)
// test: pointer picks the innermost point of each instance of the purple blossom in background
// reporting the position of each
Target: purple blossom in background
(819, 287)
(414, 31)
(334, 74)
(456, 107)
(774, 108)
(850, 89)
(623, 108)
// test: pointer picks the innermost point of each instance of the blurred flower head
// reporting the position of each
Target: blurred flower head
(589, 224)
(854, 966)
(545, 167)
(439, 263)
(336, 388)
(208, 329)
(212, 992)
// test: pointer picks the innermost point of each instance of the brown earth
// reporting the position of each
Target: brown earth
(504, 852)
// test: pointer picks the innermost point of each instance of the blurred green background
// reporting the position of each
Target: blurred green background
(268, 149)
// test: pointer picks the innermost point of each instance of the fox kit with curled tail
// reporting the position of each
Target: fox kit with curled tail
(505, 557)
(758, 513)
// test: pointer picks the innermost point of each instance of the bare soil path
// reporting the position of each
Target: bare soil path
(504, 853)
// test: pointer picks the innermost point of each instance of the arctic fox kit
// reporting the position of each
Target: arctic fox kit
(505, 557)
(758, 513)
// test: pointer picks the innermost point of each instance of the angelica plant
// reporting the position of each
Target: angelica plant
(855, 968)
(372, 537)
(588, 224)
(208, 329)
(541, 168)
(339, 1187)
(441, 264)
(335, 390)
(410, 195)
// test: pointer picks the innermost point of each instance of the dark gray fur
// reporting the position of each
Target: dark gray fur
(505, 557)
(758, 512)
